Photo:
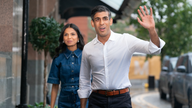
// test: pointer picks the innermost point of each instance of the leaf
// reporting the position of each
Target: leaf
(173, 25)
(43, 32)
(44, 26)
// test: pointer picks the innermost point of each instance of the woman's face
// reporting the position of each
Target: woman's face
(70, 37)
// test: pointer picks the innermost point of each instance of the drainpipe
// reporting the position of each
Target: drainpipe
(23, 93)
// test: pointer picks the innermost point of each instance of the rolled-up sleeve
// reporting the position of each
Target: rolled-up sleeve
(54, 73)
(85, 77)
(137, 45)
(154, 49)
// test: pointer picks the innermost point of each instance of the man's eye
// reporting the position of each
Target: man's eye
(105, 18)
(96, 19)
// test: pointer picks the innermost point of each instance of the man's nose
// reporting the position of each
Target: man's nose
(101, 22)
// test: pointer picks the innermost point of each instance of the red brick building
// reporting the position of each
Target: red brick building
(11, 15)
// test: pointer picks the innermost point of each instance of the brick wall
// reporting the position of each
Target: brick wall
(82, 24)
(6, 25)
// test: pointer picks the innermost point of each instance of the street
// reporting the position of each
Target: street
(150, 99)
(142, 97)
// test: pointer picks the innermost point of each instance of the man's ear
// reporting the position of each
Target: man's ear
(92, 23)
(111, 21)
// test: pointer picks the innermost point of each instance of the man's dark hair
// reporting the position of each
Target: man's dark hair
(99, 8)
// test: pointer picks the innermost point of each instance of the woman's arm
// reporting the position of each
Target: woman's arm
(54, 91)
(83, 102)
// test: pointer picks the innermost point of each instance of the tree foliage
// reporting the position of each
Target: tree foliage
(121, 27)
(173, 20)
(44, 34)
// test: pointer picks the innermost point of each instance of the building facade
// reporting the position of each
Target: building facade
(10, 52)
(11, 14)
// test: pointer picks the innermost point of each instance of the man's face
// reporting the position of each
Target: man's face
(102, 23)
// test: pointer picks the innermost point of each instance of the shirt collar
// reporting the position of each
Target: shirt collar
(68, 53)
(111, 38)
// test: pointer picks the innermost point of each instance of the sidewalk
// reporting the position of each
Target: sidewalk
(138, 87)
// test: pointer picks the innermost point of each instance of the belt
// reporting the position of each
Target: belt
(111, 92)
(69, 85)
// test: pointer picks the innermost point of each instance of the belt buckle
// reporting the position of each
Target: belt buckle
(106, 93)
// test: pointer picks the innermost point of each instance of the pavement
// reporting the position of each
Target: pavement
(139, 87)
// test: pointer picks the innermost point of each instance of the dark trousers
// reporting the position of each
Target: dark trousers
(118, 101)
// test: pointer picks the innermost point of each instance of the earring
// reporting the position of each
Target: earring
(78, 41)
(63, 42)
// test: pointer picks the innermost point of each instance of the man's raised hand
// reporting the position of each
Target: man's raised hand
(147, 20)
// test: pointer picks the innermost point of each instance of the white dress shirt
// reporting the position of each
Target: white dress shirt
(108, 64)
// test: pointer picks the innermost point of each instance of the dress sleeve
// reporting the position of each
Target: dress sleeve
(54, 73)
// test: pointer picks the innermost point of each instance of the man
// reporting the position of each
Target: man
(106, 60)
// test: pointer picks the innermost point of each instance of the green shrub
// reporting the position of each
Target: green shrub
(40, 105)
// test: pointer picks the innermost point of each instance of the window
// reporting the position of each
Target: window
(166, 63)
(190, 63)
(183, 60)
(173, 62)
(179, 62)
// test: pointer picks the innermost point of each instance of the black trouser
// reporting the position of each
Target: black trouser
(118, 101)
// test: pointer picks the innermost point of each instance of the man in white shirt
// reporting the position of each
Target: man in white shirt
(106, 59)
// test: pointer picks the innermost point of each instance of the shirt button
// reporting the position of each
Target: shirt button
(72, 63)
(72, 71)
(72, 78)
(74, 101)
(72, 86)
(72, 56)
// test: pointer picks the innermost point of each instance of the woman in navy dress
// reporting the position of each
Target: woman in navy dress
(65, 68)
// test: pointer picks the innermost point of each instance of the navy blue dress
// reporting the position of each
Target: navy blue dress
(65, 69)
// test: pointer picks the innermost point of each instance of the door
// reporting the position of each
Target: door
(164, 76)
(180, 78)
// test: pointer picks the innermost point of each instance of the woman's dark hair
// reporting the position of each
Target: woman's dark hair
(99, 8)
(62, 47)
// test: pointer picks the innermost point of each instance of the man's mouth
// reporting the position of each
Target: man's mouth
(102, 28)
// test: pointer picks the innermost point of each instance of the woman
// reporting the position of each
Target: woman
(65, 68)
